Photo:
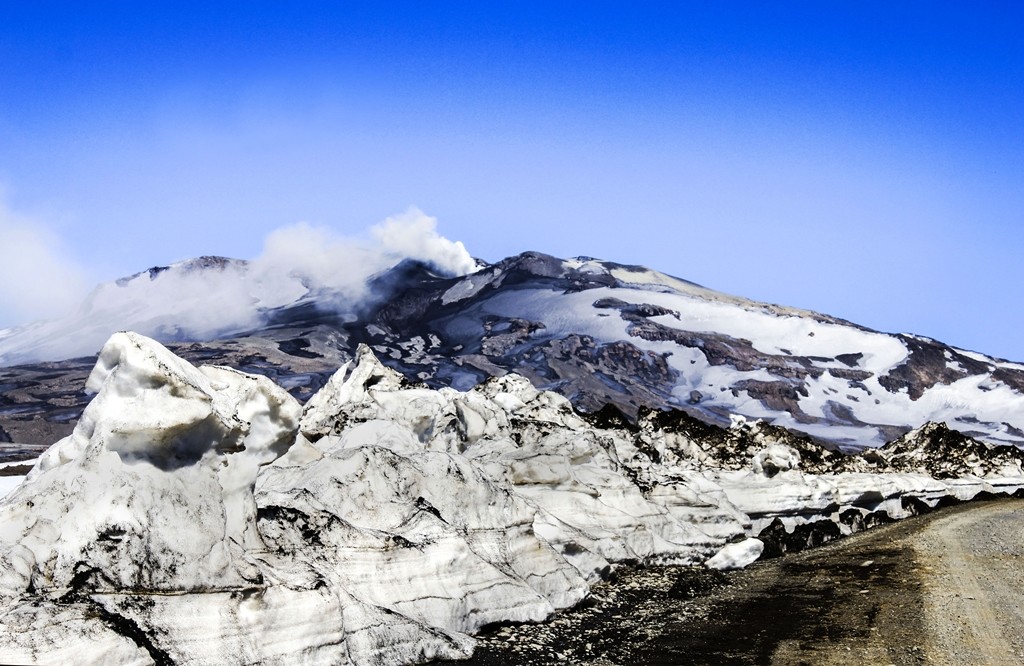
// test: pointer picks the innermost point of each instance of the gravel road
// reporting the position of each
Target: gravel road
(973, 578)
(937, 589)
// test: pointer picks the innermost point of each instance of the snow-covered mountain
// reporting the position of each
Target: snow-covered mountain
(201, 515)
(429, 486)
(596, 332)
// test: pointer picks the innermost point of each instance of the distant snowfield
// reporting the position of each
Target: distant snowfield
(208, 511)
(787, 334)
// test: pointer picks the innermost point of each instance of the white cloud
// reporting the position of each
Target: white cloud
(317, 258)
(38, 277)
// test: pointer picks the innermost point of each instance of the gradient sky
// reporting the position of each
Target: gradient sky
(862, 159)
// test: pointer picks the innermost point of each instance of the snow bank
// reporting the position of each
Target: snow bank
(589, 506)
(736, 555)
(199, 515)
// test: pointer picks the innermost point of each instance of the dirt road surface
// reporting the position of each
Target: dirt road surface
(946, 588)
(973, 591)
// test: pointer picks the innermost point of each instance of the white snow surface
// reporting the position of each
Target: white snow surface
(381, 524)
(975, 403)
(736, 555)
(8, 484)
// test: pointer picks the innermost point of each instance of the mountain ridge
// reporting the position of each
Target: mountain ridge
(598, 332)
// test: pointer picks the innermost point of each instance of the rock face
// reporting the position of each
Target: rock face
(199, 515)
(596, 332)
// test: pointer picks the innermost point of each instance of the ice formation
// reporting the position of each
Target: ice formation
(737, 555)
(201, 515)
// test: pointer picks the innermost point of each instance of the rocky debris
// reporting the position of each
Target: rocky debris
(502, 335)
(939, 451)
(929, 363)
(693, 442)
(777, 395)
(634, 312)
(934, 449)
(40, 403)
(593, 375)
(607, 627)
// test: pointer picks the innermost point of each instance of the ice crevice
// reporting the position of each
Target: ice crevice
(200, 515)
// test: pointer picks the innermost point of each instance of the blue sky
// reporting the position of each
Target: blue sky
(857, 158)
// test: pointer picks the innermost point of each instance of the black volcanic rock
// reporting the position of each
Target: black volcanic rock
(932, 363)
(937, 450)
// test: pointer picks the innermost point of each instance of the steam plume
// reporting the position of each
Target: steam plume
(207, 298)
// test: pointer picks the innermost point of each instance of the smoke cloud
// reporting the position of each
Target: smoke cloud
(204, 298)
(414, 235)
(323, 261)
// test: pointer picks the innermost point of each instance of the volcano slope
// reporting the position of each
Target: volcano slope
(201, 515)
(596, 332)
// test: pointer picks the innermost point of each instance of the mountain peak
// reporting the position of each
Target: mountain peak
(203, 263)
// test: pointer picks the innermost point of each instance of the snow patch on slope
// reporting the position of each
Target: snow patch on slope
(839, 396)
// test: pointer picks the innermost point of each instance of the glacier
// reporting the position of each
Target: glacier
(201, 515)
